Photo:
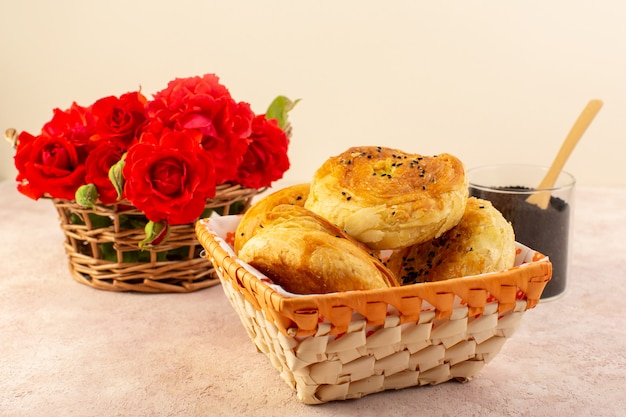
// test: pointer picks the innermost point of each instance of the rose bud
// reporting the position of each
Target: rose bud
(156, 233)
(116, 176)
(87, 195)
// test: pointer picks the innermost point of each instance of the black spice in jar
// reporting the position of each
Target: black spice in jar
(545, 231)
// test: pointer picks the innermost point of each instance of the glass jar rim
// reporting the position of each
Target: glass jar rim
(568, 179)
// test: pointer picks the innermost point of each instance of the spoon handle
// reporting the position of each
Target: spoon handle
(542, 198)
(574, 135)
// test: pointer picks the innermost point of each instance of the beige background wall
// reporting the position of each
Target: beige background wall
(489, 81)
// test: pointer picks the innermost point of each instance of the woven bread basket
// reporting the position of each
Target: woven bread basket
(346, 345)
(102, 246)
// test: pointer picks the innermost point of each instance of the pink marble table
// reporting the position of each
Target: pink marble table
(70, 350)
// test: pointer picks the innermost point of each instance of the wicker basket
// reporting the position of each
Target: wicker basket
(347, 345)
(102, 246)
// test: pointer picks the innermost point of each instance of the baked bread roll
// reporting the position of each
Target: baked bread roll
(482, 242)
(305, 254)
(295, 194)
(387, 198)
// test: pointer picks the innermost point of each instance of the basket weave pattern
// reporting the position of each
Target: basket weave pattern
(102, 247)
(347, 345)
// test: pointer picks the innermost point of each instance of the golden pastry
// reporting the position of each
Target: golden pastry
(387, 198)
(305, 254)
(295, 194)
(482, 242)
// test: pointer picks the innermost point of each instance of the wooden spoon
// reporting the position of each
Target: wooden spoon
(542, 198)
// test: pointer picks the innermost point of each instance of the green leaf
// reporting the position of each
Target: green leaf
(135, 256)
(132, 221)
(237, 207)
(178, 254)
(206, 213)
(108, 253)
(279, 109)
(76, 219)
(98, 221)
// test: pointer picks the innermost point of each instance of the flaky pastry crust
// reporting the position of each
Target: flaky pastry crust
(294, 194)
(387, 198)
(305, 254)
(482, 242)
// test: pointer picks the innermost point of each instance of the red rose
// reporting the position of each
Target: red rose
(75, 125)
(118, 118)
(266, 159)
(204, 105)
(48, 165)
(97, 166)
(169, 177)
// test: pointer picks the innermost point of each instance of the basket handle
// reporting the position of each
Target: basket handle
(11, 136)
